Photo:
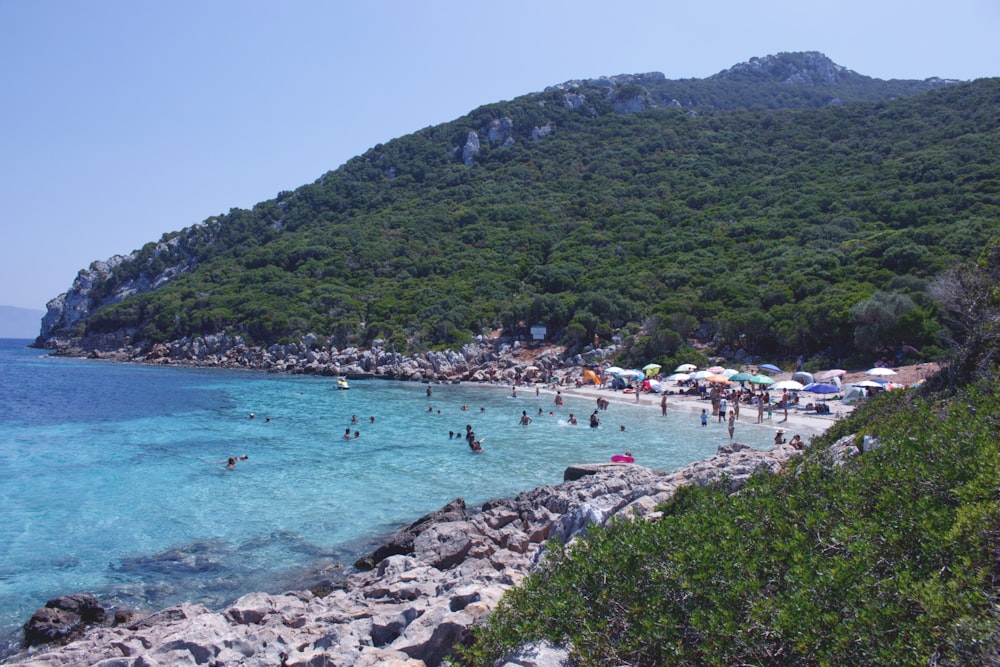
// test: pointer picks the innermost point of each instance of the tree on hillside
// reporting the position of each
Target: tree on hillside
(877, 321)
(969, 296)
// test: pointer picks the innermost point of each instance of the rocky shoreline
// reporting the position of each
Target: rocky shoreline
(425, 589)
(484, 360)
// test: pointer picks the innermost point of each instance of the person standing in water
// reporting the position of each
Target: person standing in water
(525, 419)
(595, 420)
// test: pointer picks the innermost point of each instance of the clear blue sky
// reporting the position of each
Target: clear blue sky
(123, 120)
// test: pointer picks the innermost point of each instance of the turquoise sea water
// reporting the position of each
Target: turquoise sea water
(112, 476)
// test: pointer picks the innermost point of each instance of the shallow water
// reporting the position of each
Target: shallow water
(113, 479)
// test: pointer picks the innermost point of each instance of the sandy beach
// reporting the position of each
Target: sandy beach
(799, 421)
(806, 424)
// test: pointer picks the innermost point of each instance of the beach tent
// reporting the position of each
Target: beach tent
(852, 395)
(803, 377)
(591, 376)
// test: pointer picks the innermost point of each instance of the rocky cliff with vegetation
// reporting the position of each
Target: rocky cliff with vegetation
(785, 206)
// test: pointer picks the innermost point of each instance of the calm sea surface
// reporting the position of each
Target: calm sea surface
(112, 477)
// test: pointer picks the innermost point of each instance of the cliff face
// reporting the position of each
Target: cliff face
(110, 281)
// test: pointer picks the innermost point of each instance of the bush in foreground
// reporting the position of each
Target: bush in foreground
(889, 560)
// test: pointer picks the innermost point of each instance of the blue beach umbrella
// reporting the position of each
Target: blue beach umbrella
(770, 367)
(821, 388)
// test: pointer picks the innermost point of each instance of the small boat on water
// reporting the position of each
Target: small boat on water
(342, 383)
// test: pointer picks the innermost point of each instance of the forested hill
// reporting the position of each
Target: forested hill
(590, 209)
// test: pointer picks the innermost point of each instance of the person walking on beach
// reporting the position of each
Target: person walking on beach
(722, 408)
(525, 419)
(732, 423)
(760, 411)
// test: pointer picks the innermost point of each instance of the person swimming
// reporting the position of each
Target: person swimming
(231, 461)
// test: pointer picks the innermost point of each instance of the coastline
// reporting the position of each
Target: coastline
(412, 608)
(420, 601)
(538, 522)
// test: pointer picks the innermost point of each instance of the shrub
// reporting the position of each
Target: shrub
(889, 560)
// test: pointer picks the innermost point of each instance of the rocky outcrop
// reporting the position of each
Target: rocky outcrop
(107, 282)
(63, 618)
(485, 360)
(412, 607)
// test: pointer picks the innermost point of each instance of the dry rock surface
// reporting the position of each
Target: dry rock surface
(412, 601)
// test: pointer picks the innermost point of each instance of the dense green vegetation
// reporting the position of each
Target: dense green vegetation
(783, 232)
(888, 559)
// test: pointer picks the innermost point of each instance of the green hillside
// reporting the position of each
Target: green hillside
(782, 232)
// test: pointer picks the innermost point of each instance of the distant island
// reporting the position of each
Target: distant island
(20, 322)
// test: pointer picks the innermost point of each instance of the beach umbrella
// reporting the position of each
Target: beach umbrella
(870, 384)
(717, 377)
(700, 375)
(614, 370)
(830, 374)
(770, 367)
(821, 388)
(730, 372)
(655, 386)
(791, 385)
(715, 369)
(679, 377)
(685, 368)
(880, 371)
(741, 377)
(761, 379)
(633, 373)
(651, 369)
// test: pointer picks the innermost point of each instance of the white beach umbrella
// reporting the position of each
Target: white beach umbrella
(879, 370)
(679, 377)
(685, 368)
(791, 385)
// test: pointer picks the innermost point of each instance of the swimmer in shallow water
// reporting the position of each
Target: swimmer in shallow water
(231, 461)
